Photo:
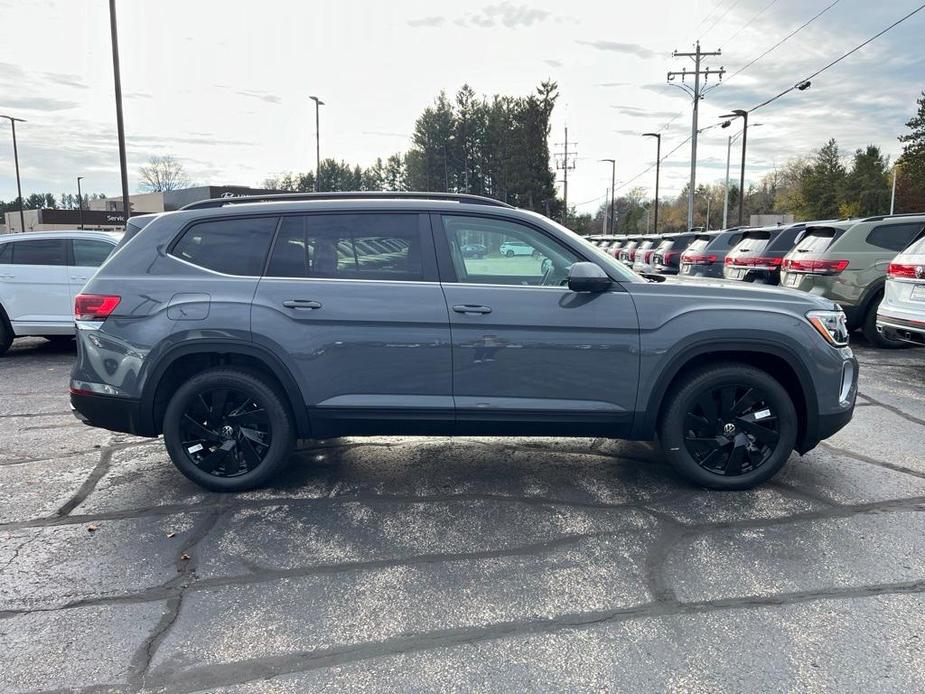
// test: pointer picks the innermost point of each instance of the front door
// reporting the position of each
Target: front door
(354, 301)
(529, 355)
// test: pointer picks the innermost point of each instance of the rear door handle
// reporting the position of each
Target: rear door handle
(471, 308)
(302, 303)
(79, 279)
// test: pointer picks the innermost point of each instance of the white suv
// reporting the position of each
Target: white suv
(901, 315)
(40, 274)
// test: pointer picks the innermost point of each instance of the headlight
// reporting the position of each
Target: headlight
(832, 325)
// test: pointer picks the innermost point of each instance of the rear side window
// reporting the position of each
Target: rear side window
(894, 237)
(89, 253)
(6, 253)
(349, 246)
(40, 252)
(230, 246)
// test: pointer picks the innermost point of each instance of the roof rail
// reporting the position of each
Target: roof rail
(881, 217)
(346, 195)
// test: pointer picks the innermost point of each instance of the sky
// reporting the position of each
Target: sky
(223, 85)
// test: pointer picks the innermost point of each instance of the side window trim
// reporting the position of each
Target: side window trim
(429, 271)
(206, 220)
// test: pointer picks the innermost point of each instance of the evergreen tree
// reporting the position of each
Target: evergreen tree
(910, 181)
(867, 186)
(823, 183)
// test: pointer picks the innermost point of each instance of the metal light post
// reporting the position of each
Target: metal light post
(318, 104)
(613, 181)
(22, 217)
(893, 194)
(658, 162)
(739, 113)
(730, 140)
(120, 125)
(80, 202)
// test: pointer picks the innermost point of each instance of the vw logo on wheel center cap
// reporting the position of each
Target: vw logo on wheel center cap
(729, 429)
(227, 432)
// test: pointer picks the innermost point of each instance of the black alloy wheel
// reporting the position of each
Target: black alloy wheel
(731, 430)
(225, 432)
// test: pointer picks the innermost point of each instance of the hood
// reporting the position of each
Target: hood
(710, 289)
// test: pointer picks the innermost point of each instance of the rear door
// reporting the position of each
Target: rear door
(529, 355)
(353, 302)
(36, 293)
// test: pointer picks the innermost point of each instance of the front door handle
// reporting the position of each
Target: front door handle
(79, 279)
(471, 308)
(302, 303)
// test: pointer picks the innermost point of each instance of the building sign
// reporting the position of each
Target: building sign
(90, 217)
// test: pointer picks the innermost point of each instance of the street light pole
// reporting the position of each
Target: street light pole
(893, 194)
(120, 124)
(658, 163)
(739, 113)
(80, 202)
(318, 104)
(613, 181)
(22, 217)
(726, 192)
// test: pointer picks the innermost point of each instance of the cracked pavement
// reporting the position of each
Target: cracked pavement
(475, 564)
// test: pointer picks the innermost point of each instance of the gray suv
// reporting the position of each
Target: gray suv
(236, 327)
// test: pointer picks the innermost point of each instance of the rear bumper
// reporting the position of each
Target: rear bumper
(107, 412)
(894, 328)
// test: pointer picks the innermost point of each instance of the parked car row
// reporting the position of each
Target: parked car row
(852, 262)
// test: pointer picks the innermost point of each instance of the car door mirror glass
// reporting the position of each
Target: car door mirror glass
(588, 277)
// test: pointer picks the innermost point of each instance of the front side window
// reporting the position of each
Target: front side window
(40, 252)
(349, 246)
(512, 253)
(89, 253)
(229, 246)
(894, 237)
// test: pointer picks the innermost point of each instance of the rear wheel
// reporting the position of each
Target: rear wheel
(728, 427)
(509, 254)
(869, 328)
(228, 430)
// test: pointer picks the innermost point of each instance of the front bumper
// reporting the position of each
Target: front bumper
(107, 412)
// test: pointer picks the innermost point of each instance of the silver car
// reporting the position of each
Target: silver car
(901, 315)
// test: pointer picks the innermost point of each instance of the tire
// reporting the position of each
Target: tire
(6, 334)
(60, 341)
(869, 328)
(702, 448)
(509, 254)
(244, 437)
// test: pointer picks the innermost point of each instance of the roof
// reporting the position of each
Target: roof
(342, 196)
(65, 233)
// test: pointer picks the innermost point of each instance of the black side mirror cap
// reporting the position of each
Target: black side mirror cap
(588, 277)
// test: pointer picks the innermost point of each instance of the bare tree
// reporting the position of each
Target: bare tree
(163, 173)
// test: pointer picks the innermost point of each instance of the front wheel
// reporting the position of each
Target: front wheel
(509, 254)
(228, 430)
(728, 427)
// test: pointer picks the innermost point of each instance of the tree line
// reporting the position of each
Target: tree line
(48, 201)
(497, 147)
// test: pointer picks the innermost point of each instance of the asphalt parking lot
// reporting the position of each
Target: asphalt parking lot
(473, 564)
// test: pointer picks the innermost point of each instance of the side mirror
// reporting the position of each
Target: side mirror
(588, 277)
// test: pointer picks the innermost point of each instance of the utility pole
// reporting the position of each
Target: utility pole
(697, 93)
(318, 104)
(80, 202)
(613, 183)
(893, 194)
(120, 124)
(22, 217)
(565, 165)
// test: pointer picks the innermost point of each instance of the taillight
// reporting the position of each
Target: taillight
(751, 262)
(698, 259)
(647, 257)
(631, 255)
(815, 267)
(900, 271)
(95, 306)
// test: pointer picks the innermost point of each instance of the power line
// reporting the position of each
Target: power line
(783, 40)
(720, 18)
(748, 23)
(805, 80)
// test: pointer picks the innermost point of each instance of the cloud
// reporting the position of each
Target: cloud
(66, 80)
(612, 84)
(553, 63)
(636, 112)
(506, 14)
(263, 96)
(618, 47)
(426, 22)
(37, 103)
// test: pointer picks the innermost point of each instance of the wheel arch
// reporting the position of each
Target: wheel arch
(185, 358)
(781, 362)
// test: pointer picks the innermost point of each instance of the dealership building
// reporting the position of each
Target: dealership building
(106, 213)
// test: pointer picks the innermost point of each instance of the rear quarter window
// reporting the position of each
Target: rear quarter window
(894, 237)
(230, 246)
